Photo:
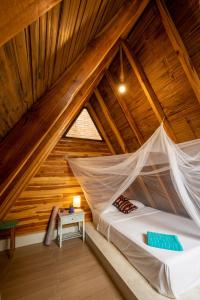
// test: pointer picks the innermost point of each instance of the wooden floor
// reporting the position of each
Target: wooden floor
(38, 272)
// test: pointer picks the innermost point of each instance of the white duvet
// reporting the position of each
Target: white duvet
(170, 272)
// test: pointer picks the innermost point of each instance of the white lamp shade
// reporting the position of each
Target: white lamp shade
(77, 201)
(122, 88)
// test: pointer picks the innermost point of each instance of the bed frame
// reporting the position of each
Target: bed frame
(129, 281)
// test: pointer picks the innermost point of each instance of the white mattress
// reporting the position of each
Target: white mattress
(171, 273)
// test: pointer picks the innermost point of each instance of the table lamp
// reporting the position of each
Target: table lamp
(77, 201)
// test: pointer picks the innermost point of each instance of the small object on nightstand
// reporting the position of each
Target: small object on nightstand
(71, 209)
(65, 218)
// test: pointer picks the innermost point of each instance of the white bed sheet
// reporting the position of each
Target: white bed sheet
(171, 273)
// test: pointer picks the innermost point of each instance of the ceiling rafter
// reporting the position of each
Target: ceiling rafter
(179, 48)
(147, 88)
(110, 121)
(99, 127)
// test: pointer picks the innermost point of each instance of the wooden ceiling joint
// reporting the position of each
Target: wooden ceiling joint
(99, 127)
(110, 121)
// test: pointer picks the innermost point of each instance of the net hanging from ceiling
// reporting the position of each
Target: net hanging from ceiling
(160, 174)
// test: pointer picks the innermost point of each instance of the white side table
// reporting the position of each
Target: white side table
(65, 218)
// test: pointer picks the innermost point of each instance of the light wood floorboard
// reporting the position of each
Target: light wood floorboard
(72, 273)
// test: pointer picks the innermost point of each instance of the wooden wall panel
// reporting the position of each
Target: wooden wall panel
(154, 51)
(54, 184)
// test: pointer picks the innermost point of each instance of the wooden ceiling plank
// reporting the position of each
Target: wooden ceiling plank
(179, 48)
(53, 38)
(76, 30)
(82, 19)
(82, 38)
(48, 46)
(16, 15)
(110, 121)
(100, 127)
(69, 33)
(98, 18)
(125, 109)
(22, 58)
(93, 19)
(64, 15)
(8, 90)
(34, 51)
(41, 55)
(147, 88)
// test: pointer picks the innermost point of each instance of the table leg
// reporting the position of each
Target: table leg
(79, 226)
(83, 230)
(12, 241)
(60, 233)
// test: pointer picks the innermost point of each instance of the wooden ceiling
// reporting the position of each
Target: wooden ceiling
(33, 60)
(162, 67)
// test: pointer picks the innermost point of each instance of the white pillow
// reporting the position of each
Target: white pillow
(111, 208)
(101, 206)
(137, 203)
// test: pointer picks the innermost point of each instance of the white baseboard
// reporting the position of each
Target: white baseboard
(30, 239)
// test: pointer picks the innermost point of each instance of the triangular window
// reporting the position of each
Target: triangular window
(84, 127)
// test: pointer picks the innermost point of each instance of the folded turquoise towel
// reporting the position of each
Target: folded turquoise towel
(164, 241)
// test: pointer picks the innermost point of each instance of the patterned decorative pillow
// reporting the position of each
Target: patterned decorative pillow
(124, 205)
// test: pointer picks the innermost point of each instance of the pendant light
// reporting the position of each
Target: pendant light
(122, 86)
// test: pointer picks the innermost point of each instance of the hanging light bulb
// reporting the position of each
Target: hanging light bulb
(122, 86)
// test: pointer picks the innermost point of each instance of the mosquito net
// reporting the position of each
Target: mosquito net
(160, 174)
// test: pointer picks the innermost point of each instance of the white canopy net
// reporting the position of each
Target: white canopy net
(160, 174)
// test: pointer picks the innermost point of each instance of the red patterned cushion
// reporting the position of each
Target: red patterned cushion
(124, 205)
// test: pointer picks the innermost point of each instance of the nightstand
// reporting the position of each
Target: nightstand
(65, 218)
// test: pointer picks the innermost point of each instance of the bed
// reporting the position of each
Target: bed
(170, 273)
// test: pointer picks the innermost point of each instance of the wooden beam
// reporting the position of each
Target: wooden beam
(179, 48)
(147, 88)
(125, 109)
(99, 127)
(110, 121)
(16, 15)
(30, 142)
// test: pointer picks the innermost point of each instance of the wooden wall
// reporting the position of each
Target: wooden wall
(54, 184)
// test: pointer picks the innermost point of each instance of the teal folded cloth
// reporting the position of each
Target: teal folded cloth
(163, 241)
